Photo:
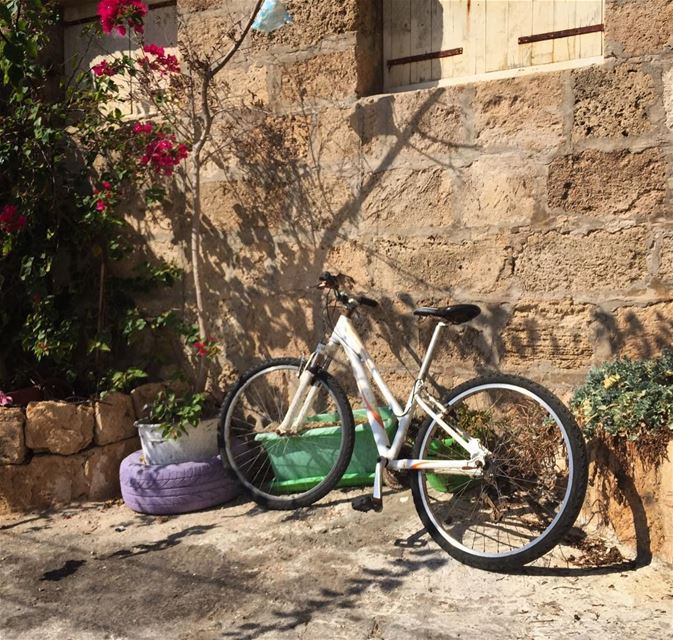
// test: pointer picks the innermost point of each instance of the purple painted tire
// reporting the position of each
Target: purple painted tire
(165, 489)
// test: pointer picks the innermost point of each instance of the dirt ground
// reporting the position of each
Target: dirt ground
(328, 572)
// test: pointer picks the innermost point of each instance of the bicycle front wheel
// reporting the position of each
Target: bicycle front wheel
(533, 483)
(286, 466)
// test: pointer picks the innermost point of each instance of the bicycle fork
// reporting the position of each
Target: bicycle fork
(304, 396)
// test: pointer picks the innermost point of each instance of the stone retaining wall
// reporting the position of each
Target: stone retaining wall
(54, 453)
(633, 498)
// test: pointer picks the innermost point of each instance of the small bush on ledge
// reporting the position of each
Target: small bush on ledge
(629, 400)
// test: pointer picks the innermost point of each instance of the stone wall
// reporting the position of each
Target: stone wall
(633, 498)
(54, 453)
(545, 199)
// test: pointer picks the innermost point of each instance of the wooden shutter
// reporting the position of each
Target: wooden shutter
(430, 40)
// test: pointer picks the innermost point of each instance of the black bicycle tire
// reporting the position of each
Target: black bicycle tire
(331, 479)
(577, 450)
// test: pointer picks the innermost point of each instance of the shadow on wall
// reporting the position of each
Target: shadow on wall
(633, 336)
(288, 196)
(281, 206)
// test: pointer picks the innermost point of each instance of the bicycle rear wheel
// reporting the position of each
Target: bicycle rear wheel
(534, 480)
(280, 469)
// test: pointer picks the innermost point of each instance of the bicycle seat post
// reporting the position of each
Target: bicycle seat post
(431, 349)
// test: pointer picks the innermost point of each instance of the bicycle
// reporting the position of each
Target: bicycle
(498, 469)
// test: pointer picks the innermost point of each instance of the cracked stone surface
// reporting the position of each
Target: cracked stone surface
(102, 571)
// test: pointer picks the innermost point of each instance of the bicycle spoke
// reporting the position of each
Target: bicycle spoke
(285, 466)
(524, 481)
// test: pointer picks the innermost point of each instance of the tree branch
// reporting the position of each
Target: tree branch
(217, 66)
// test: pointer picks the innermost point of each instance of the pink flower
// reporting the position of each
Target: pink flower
(104, 68)
(163, 155)
(154, 49)
(8, 212)
(103, 195)
(201, 349)
(5, 400)
(118, 14)
(140, 128)
(10, 222)
(205, 348)
(162, 63)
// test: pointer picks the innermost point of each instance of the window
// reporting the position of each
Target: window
(82, 50)
(434, 40)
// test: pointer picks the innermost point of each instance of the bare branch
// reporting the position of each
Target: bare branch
(217, 66)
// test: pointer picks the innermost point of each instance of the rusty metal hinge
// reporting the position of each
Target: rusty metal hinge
(565, 33)
(434, 55)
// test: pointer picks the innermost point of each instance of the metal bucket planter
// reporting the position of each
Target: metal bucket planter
(199, 443)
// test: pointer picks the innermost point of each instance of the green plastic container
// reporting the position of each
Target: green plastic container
(301, 462)
(447, 483)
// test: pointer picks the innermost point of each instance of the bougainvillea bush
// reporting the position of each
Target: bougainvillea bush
(67, 165)
(628, 399)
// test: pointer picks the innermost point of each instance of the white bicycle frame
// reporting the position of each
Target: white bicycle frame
(345, 336)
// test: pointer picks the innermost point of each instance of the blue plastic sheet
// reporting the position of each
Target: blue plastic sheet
(273, 15)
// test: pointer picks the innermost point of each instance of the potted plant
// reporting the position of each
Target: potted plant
(172, 429)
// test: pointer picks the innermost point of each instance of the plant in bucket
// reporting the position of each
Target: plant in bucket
(177, 427)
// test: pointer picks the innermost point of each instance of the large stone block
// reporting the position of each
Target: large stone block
(403, 199)
(600, 261)
(271, 324)
(667, 79)
(638, 27)
(612, 101)
(525, 113)
(55, 480)
(351, 258)
(313, 22)
(114, 416)
(12, 439)
(560, 334)
(635, 500)
(321, 79)
(640, 331)
(145, 395)
(249, 83)
(428, 264)
(207, 35)
(665, 271)
(501, 191)
(334, 139)
(305, 204)
(101, 468)
(414, 128)
(59, 427)
(609, 183)
(47, 481)
(263, 145)
(221, 205)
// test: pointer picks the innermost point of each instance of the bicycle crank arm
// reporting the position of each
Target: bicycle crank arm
(440, 467)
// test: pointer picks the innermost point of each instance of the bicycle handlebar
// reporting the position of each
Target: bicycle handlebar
(368, 302)
(329, 280)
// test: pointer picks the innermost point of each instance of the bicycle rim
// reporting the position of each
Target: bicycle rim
(516, 510)
(285, 466)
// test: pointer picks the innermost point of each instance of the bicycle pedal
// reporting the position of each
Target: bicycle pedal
(367, 503)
